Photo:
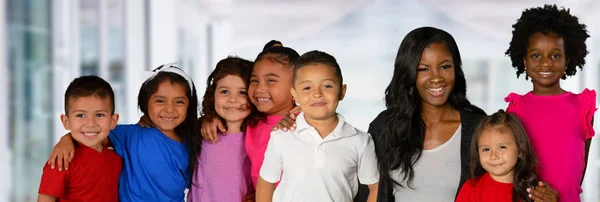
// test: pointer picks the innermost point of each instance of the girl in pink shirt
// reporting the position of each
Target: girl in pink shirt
(548, 44)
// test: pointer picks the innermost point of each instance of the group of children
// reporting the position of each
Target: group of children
(325, 158)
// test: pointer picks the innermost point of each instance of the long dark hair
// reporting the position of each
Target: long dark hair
(403, 132)
(229, 66)
(188, 130)
(524, 170)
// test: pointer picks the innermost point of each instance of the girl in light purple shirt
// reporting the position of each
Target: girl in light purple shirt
(223, 172)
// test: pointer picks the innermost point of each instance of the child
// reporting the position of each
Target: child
(502, 162)
(548, 44)
(94, 175)
(158, 162)
(269, 87)
(325, 157)
(223, 172)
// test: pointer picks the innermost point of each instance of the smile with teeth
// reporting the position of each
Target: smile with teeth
(168, 119)
(436, 91)
(545, 73)
(90, 134)
(263, 99)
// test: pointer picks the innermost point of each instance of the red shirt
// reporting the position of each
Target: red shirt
(485, 189)
(92, 176)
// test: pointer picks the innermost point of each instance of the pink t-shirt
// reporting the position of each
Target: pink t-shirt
(257, 139)
(558, 127)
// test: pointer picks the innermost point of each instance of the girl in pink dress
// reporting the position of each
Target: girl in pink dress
(548, 44)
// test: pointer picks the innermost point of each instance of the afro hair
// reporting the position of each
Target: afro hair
(549, 20)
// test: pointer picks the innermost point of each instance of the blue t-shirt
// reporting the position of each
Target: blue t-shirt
(154, 166)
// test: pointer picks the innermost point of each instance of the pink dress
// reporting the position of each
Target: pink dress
(257, 139)
(558, 127)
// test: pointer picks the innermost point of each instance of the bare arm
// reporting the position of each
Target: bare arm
(373, 189)
(588, 143)
(264, 190)
(46, 198)
(62, 153)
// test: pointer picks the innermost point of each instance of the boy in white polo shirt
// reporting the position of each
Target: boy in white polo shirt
(323, 159)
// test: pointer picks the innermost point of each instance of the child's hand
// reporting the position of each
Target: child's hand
(289, 120)
(209, 129)
(250, 197)
(62, 153)
(145, 122)
(543, 193)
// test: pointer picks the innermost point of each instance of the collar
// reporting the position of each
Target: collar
(342, 129)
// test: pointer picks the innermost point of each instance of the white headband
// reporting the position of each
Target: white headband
(170, 67)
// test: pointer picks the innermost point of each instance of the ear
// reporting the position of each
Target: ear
(293, 91)
(343, 92)
(65, 121)
(115, 119)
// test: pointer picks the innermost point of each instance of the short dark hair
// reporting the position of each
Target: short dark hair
(85, 86)
(271, 44)
(549, 20)
(318, 57)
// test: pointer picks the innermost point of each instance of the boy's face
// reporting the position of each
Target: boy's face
(318, 91)
(89, 119)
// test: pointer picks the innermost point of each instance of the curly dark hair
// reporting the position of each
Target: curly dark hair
(524, 170)
(228, 66)
(549, 20)
(403, 133)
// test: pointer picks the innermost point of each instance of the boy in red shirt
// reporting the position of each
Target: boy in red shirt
(95, 170)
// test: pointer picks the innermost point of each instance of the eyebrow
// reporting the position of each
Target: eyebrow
(535, 49)
(442, 62)
(328, 79)
(160, 96)
(86, 111)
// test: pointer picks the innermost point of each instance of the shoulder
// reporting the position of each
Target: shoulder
(587, 97)
(513, 98)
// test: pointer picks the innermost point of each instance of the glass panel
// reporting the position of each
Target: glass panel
(89, 18)
(116, 52)
(31, 118)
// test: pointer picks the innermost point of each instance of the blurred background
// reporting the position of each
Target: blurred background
(45, 44)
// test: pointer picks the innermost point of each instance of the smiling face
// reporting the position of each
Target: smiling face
(231, 99)
(318, 91)
(545, 61)
(498, 154)
(269, 88)
(167, 108)
(435, 75)
(90, 120)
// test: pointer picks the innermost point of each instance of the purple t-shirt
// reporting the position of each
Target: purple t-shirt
(223, 172)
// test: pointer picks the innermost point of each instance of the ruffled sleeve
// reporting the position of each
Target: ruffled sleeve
(513, 100)
(587, 99)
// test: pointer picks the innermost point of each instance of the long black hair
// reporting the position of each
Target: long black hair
(403, 133)
(189, 129)
(524, 170)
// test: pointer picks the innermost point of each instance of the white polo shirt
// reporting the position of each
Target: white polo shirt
(317, 169)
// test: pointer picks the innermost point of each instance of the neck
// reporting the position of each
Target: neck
(171, 135)
(281, 112)
(324, 126)
(99, 147)
(435, 114)
(508, 178)
(234, 126)
(553, 89)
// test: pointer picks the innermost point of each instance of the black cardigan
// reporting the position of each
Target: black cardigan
(469, 120)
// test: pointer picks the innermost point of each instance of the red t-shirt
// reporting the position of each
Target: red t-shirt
(92, 176)
(485, 189)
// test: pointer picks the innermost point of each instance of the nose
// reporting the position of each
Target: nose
(261, 87)
(90, 120)
(318, 93)
(169, 107)
(233, 99)
(494, 154)
(436, 76)
(546, 61)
